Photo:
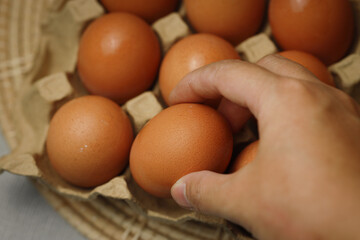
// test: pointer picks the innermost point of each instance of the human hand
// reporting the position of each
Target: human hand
(305, 180)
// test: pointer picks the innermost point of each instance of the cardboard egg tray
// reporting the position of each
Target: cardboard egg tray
(53, 80)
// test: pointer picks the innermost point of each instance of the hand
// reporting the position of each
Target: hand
(305, 180)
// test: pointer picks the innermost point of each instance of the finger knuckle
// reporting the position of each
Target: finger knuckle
(293, 89)
(267, 59)
(221, 67)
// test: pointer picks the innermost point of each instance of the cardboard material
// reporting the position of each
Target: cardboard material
(52, 80)
(63, 28)
(54, 87)
(347, 72)
(56, 82)
(256, 47)
(170, 29)
(142, 108)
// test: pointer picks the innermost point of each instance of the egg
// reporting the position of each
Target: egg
(246, 156)
(312, 63)
(118, 57)
(191, 53)
(323, 28)
(89, 140)
(234, 20)
(181, 139)
(148, 10)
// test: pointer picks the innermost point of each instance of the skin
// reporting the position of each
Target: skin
(305, 180)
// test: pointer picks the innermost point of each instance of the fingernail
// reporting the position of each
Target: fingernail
(178, 192)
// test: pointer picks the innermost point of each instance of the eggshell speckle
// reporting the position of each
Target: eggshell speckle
(119, 56)
(324, 28)
(179, 140)
(233, 20)
(189, 54)
(148, 10)
(89, 141)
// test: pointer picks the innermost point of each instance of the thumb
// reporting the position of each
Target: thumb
(206, 192)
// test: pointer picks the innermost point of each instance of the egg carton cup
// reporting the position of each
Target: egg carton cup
(40, 79)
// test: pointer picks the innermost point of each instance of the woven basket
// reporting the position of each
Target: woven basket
(21, 44)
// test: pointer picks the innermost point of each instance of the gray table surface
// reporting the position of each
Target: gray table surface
(25, 214)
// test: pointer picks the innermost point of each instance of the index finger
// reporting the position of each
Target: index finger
(238, 81)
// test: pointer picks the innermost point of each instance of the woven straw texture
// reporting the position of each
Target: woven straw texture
(21, 43)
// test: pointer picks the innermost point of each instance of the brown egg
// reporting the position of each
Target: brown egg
(181, 139)
(232, 20)
(246, 156)
(312, 63)
(118, 57)
(89, 141)
(191, 53)
(323, 28)
(148, 10)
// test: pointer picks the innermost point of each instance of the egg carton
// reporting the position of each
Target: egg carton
(56, 82)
